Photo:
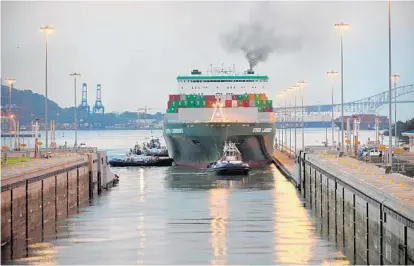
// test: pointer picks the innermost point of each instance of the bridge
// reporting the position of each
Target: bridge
(403, 94)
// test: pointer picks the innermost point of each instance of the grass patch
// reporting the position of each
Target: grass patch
(16, 160)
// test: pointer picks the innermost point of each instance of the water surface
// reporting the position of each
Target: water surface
(174, 215)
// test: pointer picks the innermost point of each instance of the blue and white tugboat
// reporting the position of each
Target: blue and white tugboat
(231, 162)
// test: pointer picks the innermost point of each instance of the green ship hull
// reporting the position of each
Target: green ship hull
(200, 144)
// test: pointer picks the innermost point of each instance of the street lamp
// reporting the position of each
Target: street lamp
(11, 116)
(46, 30)
(10, 81)
(342, 27)
(293, 88)
(395, 78)
(389, 87)
(74, 75)
(302, 84)
(332, 75)
(286, 91)
(281, 95)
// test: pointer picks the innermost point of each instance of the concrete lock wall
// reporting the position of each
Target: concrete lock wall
(32, 206)
(367, 227)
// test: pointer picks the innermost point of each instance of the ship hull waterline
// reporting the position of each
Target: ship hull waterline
(200, 144)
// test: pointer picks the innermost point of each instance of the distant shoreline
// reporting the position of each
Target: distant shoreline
(100, 129)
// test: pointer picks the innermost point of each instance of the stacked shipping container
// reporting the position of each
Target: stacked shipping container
(227, 101)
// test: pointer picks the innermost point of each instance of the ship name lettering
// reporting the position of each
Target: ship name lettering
(177, 131)
(266, 130)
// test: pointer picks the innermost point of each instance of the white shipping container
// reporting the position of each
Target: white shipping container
(228, 96)
(182, 97)
(266, 117)
(223, 99)
(234, 103)
(246, 114)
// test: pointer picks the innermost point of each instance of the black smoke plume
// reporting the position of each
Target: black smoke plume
(257, 42)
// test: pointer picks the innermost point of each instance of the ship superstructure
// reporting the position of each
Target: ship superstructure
(209, 109)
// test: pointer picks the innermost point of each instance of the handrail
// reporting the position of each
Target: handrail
(387, 209)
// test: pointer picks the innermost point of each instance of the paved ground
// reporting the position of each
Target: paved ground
(397, 185)
(18, 171)
(284, 158)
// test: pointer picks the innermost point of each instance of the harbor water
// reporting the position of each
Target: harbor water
(174, 215)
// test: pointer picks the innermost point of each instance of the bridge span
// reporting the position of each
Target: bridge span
(403, 94)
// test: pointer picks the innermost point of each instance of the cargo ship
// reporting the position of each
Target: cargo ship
(366, 121)
(219, 106)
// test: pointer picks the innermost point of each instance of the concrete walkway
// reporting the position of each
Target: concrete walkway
(283, 158)
(396, 185)
(20, 171)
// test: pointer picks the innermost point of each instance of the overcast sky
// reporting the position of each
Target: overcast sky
(136, 49)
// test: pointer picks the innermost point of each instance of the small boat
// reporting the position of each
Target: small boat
(141, 160)
(231, 162)
(152, 148)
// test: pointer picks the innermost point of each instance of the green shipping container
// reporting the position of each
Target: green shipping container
(203, 103)
(257, 97)
(259, 103)
(191, 104)
(197, 103)
(200, 97)
(240, 97)
(245, 96)
(172, 110)
(268, 102)
(174, 104)
(261, 109)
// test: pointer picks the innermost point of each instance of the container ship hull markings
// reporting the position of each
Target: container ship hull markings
(198, 145)
(211, 109)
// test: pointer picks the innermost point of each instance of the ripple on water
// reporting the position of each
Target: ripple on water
(174, 215)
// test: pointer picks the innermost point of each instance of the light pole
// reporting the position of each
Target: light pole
(389, 86)
(281, 95)
(46, 30)
(74, 75)
(342, 27)
(10, 81)
(286, 116)
(302, 84)
(293, 88)
(332, 75)
(395, 78)
(13, 121)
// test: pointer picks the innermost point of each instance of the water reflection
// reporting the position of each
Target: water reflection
(292, 236)
(141, 219)
(184, 216)
(295, 238)
(218, 198)
(40, 254)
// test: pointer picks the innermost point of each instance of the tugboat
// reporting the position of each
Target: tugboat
(149, 154)
(152, 148)
(141, 160)
(231, 162)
